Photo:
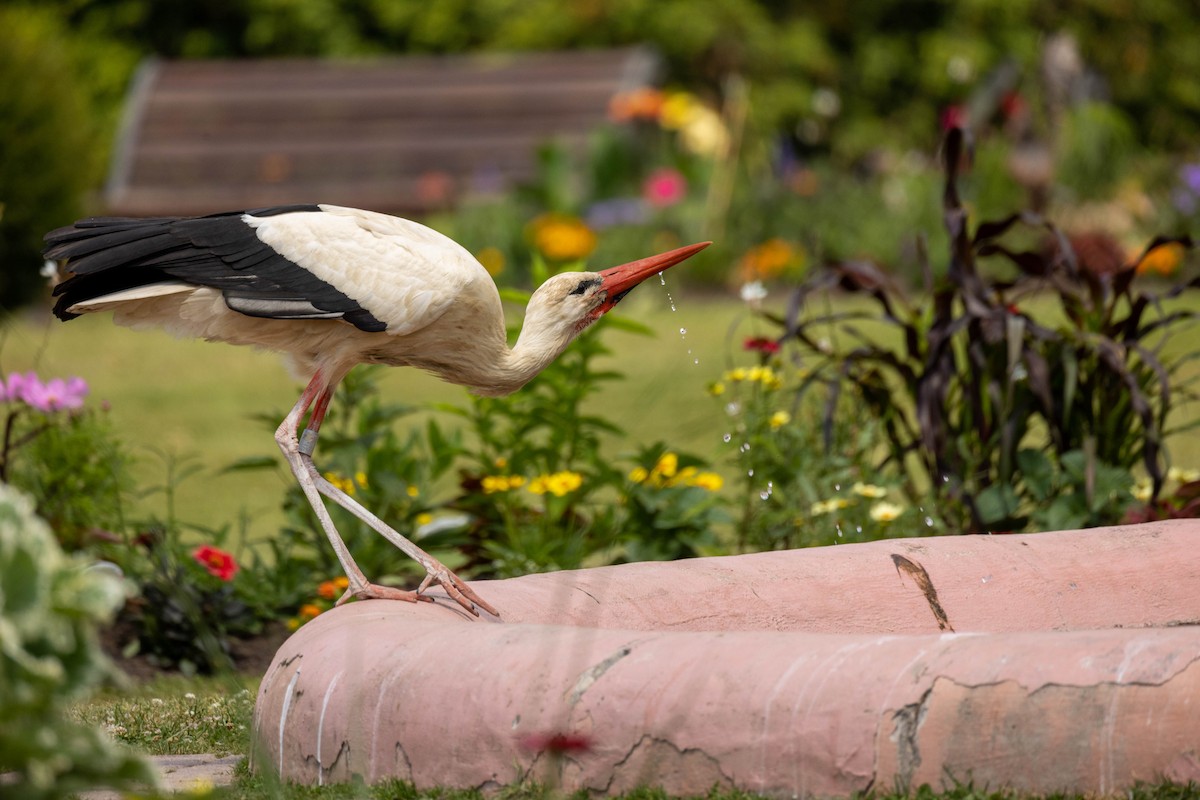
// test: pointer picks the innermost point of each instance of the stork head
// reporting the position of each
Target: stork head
(570, 301)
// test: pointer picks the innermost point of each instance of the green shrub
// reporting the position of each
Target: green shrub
(994, 402)
(50, 605)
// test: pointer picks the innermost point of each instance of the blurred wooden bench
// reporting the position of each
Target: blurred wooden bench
(400, 135)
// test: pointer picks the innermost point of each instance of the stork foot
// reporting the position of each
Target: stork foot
(465, 596)
(373, 591)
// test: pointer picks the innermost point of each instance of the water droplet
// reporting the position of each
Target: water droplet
(696, 361)
(764, 495)
(839, 530)
(732, 409)
(837, 487)
(858, 528)
(985, 579)
(727, 438)
(745, 448)
(750, 474)
(929, 522)
(683, 331)
(661, 279)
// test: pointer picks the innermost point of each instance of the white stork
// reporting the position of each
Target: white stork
(332, 287)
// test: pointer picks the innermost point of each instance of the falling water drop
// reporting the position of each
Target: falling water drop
(858, 528)
(837, 487)
(727, 438)
(732, 409)
(661, 279)
(929, 522)
(839, 529)
(750, 474)
(765, 494)
(683, 331)
(745, 448)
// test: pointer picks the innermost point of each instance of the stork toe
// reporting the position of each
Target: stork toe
(373, 591)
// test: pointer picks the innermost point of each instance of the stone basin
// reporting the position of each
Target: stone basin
(1065, 661)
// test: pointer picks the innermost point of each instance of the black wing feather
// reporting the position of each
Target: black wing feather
(110, 254)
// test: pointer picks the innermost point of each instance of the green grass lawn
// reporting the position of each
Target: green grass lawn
(179, 716)
(192, 398)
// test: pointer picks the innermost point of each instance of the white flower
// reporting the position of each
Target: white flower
(753, 293)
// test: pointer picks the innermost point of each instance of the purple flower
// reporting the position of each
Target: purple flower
(1189, 174)
(616, 211)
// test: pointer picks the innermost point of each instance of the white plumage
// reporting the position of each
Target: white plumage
(333, 287)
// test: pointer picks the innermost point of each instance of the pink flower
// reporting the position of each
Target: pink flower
(18, 385)
(664, 188)
(55, 394)
(217, 562)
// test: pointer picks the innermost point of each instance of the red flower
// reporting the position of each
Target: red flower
(761, 344)
(217, 562)
(556, 743)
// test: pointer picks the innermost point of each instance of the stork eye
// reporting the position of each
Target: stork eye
(582, 287)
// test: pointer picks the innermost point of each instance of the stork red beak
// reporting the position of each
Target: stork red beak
(619, 281)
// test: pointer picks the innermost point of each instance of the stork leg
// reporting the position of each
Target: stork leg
(293, 451)
(298, 451)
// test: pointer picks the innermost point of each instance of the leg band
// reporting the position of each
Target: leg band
(308, 442)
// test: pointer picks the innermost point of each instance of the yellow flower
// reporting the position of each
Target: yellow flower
(557, 484)
(424, 519)
(501, 483)
(868, 490)
(639, 474)
(562, 238)
(826, 506)
(708, 480)
(412, 491)
(1180, 475)
(677, 110)
(360, 478)
(501, 462)
(1142, 490)
(309, 611)
(779, 419)
(293, 624)
(736, 375)
(344, 484)
(885, 512)
(341, 582)
(492, 260)
(716, 389)
(705, 133)
(666, 467)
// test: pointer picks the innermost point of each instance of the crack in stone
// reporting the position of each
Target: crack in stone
(908, 720)
(917, 572)
(648, 740)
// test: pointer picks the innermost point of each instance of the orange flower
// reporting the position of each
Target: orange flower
(327, 590)
(561, 237)
(309, 611)
(638, 104)
(769, 260)
(1164, 259)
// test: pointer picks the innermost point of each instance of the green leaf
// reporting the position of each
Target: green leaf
(1037, 471)
(997, 505)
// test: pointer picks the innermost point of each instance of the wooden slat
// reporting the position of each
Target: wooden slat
(207, 136)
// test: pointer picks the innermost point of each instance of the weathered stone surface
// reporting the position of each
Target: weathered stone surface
(1044, 662)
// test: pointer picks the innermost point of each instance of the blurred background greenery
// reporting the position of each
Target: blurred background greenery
(832, 109)
(796, 136)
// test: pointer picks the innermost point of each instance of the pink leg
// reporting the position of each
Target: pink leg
(436, 572)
